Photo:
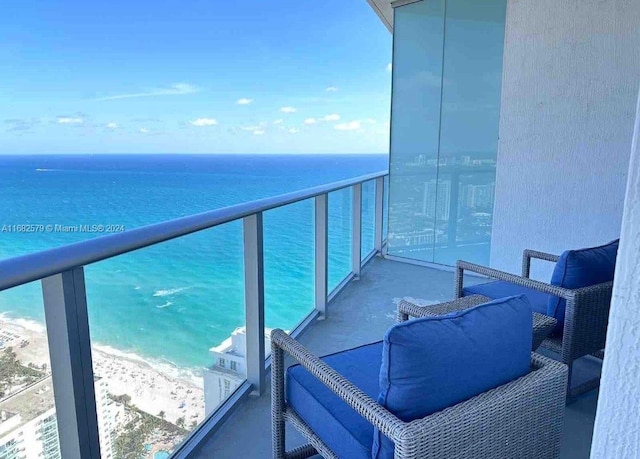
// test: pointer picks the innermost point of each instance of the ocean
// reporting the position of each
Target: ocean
(172, 302)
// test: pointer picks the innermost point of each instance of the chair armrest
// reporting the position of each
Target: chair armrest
(527, 255)
(543, 287)
(367, 407)
(483, 426)
(407, 309)
(586, 320)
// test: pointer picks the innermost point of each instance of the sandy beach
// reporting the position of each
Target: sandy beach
(152, 386)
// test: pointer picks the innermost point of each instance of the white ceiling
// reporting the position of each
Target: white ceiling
(384, 11)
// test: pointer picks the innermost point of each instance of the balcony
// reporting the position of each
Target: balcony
(358, 311)
(361, 314)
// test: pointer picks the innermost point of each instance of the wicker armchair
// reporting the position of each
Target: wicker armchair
(586, 312)
(522, 418)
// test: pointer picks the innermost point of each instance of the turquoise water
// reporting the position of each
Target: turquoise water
(161, 455)
(174, 301)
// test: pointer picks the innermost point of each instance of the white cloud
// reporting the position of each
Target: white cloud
(69, 120)
(288, 110)
(257, 129)
(204, 122)
(389, 67)
(350, 126)
(331, 89)
(173, 90)
(143, 131)
(280, 121)
(244, 101)
(370, 121)
(293, 130)
(112, 125)
(310, 121)
(332, 117)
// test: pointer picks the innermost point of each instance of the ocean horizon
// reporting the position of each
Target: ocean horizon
(173, 301)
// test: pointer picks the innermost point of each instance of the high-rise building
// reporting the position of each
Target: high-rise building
(479, 195)
(229, 368)
(435, 200)
(29, 428)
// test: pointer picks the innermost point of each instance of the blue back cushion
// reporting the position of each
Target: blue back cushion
(581, 268)
(432, 363)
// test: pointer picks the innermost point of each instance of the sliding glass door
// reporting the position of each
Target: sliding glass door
(447, 70)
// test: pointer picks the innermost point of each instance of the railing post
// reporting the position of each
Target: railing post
(65, 308)
(379, 215)
(254, 301)
(321, 249)
(356, 239)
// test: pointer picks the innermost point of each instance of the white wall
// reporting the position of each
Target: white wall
(617, 428)
(571, 73)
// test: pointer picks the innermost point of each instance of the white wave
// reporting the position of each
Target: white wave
(137, 287)
(166, 305)
(27, 324)
(163, 366)
(170, 291)
(48, 170)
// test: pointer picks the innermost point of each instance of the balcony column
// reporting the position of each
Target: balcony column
(65, 309)
(254, 301)
(617, 422)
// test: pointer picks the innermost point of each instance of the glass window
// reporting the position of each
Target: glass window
(221, 363)
(447, 69)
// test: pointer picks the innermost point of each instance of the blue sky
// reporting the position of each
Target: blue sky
(193, 76)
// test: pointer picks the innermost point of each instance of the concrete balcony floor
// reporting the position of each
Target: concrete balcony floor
(360, 314)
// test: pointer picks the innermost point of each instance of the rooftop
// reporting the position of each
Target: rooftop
(360, 314)
(29, 403)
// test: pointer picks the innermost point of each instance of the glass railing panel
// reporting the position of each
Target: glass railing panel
(368, 218)
(28, 426)
(340, 236)
(168, 345)
(289, 264)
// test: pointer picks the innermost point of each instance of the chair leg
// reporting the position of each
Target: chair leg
(458, 282)
(583, 388)
(277, 402)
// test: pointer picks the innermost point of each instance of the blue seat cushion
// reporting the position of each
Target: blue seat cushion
(499, 289)
(432, 363)
(342, 429)
(581, 268)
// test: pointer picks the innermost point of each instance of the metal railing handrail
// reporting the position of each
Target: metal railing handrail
(36, 266)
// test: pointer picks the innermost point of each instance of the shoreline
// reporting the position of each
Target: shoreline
(153, 386)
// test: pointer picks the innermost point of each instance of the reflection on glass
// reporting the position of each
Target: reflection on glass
(442, 193)
(415, 127)
(340, 236)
